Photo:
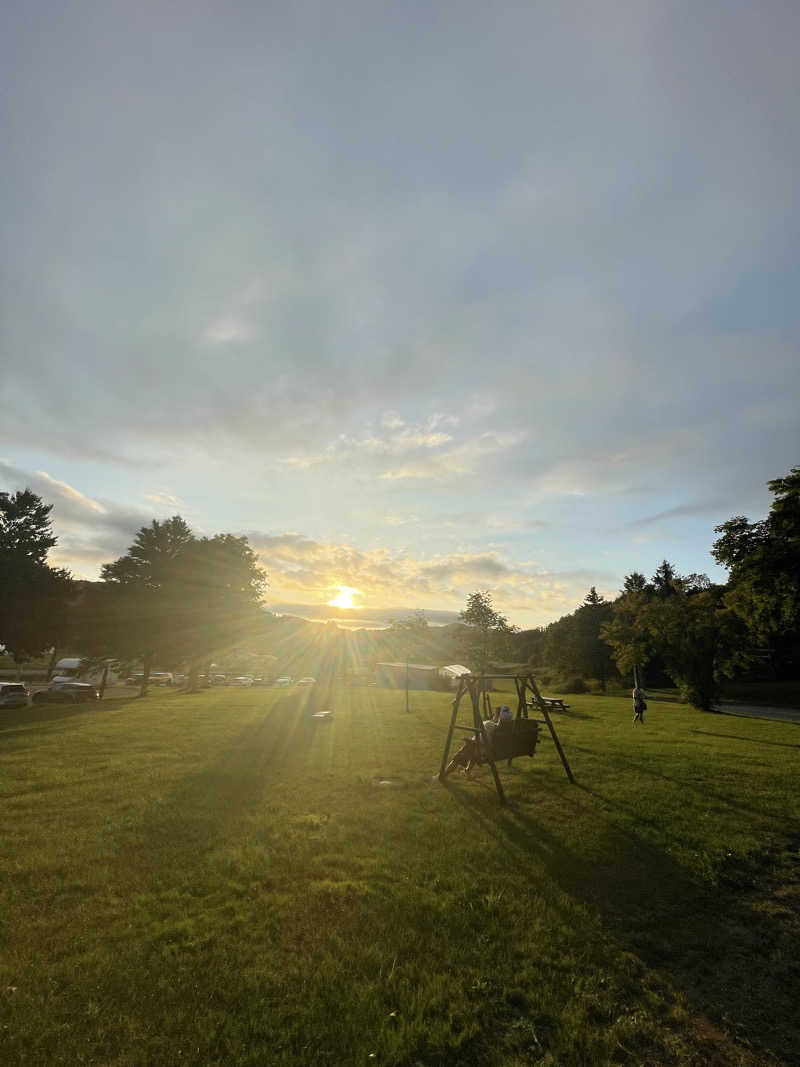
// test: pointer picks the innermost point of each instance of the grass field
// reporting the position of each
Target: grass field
(212, 879)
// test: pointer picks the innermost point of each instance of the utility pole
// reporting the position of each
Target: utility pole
(406, 679)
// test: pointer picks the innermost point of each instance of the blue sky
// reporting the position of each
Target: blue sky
(421, 298)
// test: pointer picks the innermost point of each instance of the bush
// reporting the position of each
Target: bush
(573, 685)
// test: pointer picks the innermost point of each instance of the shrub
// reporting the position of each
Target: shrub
(573, 685)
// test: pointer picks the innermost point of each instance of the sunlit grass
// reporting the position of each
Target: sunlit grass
(220, 879)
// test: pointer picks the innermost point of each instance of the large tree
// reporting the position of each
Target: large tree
(699, 639)
(486, 634)
(763, 559)
(33, 595)
(222, 589)
(573, 645)
(25, 527)
(183, 598)
(148, 594)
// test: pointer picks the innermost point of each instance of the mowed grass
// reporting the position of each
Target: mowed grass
(217, 879)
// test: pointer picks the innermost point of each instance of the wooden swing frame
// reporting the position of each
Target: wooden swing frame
(476, 688)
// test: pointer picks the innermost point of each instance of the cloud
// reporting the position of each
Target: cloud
(300, 303)
(69, 502)
(228, 330)
(697, 509)
(90, 532)
(164, 499)
(303, 571)
(398, 439)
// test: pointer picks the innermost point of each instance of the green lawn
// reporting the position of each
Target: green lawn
(212, 879)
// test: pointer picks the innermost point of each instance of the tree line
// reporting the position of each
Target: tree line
(684, 628)
(174, 598)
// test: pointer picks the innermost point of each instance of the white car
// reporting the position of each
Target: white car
(307, 681)
(284, 682)
(243, 680)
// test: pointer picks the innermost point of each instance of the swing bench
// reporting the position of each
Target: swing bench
(491, 743)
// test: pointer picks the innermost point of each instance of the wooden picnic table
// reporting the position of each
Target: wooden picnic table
(552, 703)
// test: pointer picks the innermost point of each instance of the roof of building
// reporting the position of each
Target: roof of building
(411, 666)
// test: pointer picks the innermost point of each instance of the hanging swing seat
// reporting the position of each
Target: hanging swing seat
(492, 742)
(510, 739)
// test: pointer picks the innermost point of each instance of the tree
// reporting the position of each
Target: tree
(486, 632)
(763, 559)
(573, 644)
(25, 527)
(634, 583)
(148, 580)
(222, 589)
(593, 654)
(34, 595)
(699, 638)
(183, 598)
(663, 578)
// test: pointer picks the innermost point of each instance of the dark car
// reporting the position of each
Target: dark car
(13, 695)
(67, 693)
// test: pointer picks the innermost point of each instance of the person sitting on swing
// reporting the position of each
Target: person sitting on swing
(469, 753)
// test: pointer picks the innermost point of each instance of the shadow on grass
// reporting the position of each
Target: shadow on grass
(696, 784)
(32, 718)
(730, 949)
(749, 740)
(571, 713)
(198, 814)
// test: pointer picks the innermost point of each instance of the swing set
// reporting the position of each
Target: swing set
(507, 740)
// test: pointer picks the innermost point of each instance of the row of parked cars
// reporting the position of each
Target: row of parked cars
(60, 691)
(16, 694)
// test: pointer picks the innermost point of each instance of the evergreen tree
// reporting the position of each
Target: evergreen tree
(33, 595)
(663, 579)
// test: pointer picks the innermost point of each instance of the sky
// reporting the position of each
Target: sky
(422, 298)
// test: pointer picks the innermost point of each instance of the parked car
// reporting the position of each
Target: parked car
(284, 681)
(67, 693)
(244, 680)
(156, 678)
(13, 695)
(307, 681)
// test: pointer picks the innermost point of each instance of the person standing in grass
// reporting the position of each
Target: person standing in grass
(639, 705)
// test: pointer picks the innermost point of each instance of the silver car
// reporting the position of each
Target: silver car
(13, 695)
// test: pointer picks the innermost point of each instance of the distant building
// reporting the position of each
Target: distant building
(420, 675)
(452, 672)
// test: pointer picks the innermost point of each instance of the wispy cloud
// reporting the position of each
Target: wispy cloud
(300, 568)
(164, 499)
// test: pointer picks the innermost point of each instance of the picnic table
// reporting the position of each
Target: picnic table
(551, 703)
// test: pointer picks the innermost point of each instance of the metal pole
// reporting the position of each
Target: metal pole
(406, 681)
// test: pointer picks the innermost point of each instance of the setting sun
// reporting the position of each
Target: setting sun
(345, 597)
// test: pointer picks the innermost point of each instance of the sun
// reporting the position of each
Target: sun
(345, 597)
